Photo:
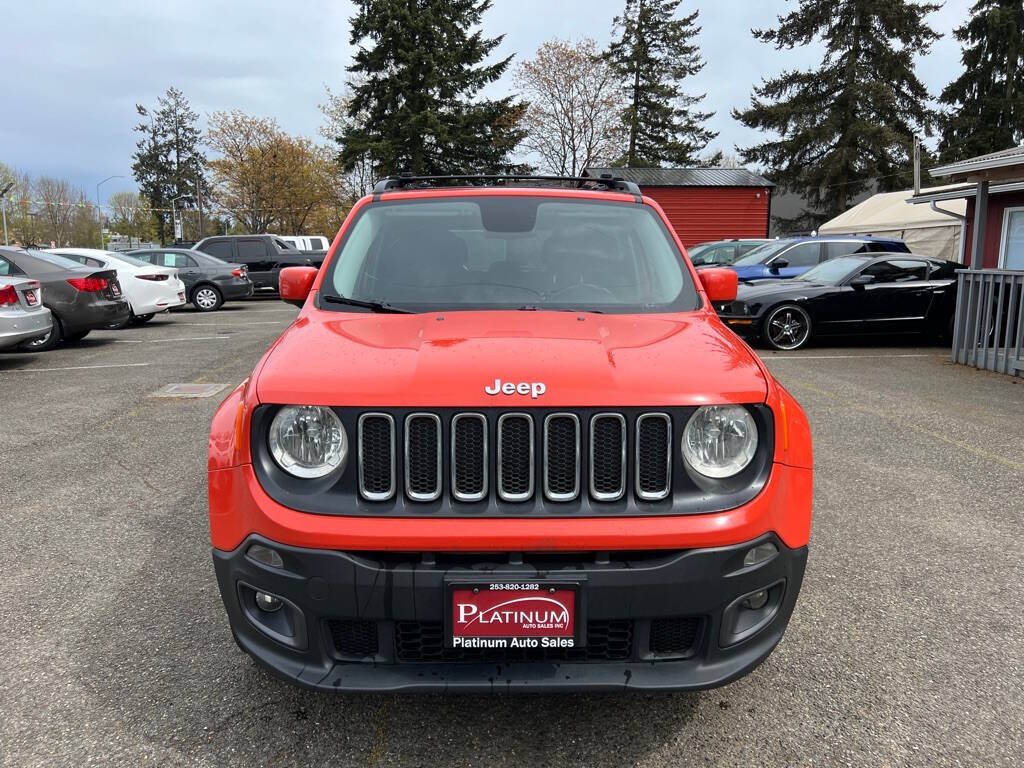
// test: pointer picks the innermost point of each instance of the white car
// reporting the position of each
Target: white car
(22, 314)
(307, 242)
(148, 288)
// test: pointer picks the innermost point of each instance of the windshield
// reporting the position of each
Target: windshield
(761, 253)
(833, 271)
(504, 252)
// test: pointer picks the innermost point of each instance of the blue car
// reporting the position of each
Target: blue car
(794, 256)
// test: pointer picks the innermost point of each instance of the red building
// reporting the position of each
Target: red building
(705, 204)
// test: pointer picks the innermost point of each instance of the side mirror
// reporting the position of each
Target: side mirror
(861, 280)
(776, 265)
(295, 284)
(720, 283)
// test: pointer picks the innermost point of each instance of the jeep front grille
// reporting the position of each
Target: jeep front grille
(515, 456)
(558, 457)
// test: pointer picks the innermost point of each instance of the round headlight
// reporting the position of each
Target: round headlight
(308, 440)
(720, 440)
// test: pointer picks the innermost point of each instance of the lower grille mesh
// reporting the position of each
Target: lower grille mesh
(353, 637)
(416, 641)
(675, 635)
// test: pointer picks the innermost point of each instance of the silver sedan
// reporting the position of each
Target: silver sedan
(22, 314)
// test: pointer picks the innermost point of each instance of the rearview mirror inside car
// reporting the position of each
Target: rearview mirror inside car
(295, 284)
(719, 283)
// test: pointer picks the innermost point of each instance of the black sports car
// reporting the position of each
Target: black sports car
(859, 294)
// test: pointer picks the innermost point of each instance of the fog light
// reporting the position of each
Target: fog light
(265, 555)
(758, 554)
(269, 603)
(751, 602)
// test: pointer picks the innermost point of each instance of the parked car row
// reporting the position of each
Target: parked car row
(47, 297)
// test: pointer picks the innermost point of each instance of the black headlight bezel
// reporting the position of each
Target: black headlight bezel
(338, 494)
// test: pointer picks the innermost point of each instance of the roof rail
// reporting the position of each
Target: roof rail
(605, 182)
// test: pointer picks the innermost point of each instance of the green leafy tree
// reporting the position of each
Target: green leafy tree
(654, 52)
(415, 92)
(168, 161)
(849, 124)
(986, 103)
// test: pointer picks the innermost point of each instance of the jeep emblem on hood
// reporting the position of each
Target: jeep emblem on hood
(532, 388)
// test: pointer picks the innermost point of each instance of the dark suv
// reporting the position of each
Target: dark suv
(263, 255)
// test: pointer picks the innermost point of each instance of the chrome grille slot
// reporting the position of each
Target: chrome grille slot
(653, 456)
(376, 456)
(607, 456)
(469, 456)
(561, 456)
(422, 456)
(515, 456)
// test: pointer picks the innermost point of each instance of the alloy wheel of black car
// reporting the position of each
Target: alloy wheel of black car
(207, 298)
(786, 327)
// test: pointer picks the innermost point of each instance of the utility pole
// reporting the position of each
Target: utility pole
(99, 209)
(3, 205)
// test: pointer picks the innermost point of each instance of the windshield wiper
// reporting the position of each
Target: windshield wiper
(374, 306)
(545, 308)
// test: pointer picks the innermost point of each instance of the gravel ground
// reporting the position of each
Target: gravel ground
(905, 649)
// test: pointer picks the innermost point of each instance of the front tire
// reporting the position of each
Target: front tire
(206, 298)
(49, 341)
(72, 337)
(786, 327)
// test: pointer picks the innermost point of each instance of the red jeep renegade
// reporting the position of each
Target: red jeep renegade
(508, 444)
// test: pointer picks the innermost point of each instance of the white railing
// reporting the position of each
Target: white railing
(989, 328)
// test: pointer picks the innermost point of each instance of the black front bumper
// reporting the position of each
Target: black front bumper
(356, 621)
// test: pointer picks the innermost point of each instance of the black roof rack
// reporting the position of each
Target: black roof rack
(605, 182)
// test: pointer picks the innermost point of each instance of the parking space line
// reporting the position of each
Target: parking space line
(180, 338)
(222, 325)
(838, 357)
(76, 368)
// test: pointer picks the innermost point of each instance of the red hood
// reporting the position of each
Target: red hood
(447, 359)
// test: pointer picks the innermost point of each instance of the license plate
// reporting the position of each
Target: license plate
(512, 614)
(31, 298)
(115, 289)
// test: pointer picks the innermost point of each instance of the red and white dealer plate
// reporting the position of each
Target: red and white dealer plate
(513, 615)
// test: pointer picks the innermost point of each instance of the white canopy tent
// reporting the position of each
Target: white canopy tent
(888, 214)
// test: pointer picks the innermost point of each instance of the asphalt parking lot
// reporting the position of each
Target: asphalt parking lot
(907, 645)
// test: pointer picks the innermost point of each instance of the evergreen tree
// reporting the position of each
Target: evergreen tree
(987, 101)
(168, 161)
(417, 76)
(653, 52)
(851, 122)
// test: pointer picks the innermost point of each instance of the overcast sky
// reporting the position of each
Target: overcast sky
(73, 72)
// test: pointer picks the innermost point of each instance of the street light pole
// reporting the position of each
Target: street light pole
(99, 210)
(174, 217)
(3, 205)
